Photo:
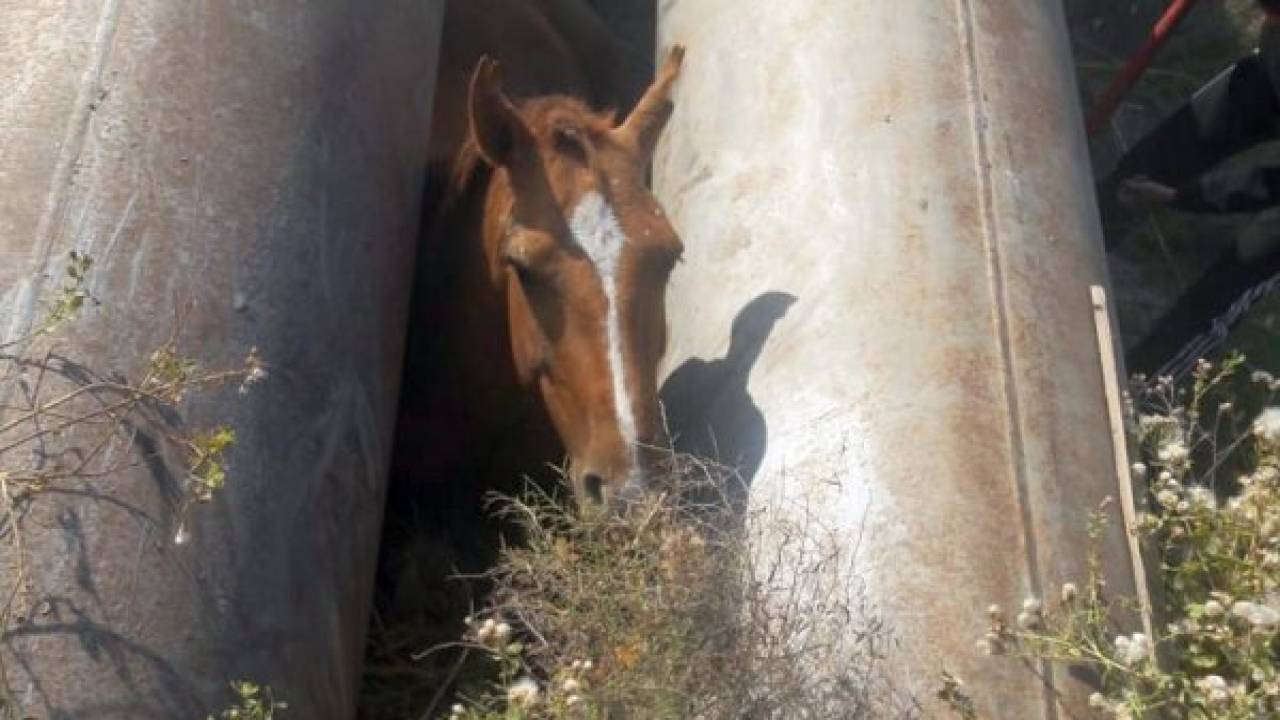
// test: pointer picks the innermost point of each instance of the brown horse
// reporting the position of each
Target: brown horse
(551, 260)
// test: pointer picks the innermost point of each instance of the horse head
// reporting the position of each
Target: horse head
(582, 252)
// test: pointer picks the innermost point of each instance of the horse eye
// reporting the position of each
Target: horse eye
(524, 273)
(570, 142)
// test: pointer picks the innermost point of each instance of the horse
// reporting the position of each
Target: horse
(543, 320)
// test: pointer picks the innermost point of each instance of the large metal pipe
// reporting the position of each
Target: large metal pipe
(914, 174)
(264, 162)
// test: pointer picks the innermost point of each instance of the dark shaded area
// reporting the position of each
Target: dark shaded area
(708, 409)
(634, 23)
(1198, 308)
(1234, 111)
(1105, 34)
(1196, 120)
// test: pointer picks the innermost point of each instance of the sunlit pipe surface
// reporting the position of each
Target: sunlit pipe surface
(262, 163)
(914, 176)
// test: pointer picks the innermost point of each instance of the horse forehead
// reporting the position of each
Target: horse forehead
(595, 227)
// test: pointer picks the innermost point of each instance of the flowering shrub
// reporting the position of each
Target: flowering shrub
(1209, 459)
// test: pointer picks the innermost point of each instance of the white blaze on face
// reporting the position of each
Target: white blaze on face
(596, 230)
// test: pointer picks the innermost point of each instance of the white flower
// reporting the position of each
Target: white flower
(572, 686)
(1029, 618)
(1167, 498)
(1151, 424)
(1173, 453)
(587, 664)
(1259, 616)
(257, 371)
(485, 633)
(1138, 471)
(501, 634)
(254, 376)
(457, 711)
(1213, 608)
(523, 693)
(1069, 592)
(1141, 645)
(1267, 426)
(1202, 498)
(1214, 688)
(994, 644)
(573, 700)
(1133, 649)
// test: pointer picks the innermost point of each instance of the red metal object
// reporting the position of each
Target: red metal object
(1136, 66)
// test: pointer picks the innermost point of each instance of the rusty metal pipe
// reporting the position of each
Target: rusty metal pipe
(914, 174)
(261, 162)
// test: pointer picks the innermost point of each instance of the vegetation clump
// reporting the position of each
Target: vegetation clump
(1209, 461)
(683, 606)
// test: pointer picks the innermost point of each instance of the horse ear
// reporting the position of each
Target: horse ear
(495, 124)
(644, 125)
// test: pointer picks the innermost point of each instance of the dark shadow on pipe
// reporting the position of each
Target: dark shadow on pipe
(710, 412)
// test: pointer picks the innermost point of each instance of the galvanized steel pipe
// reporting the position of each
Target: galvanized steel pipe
(915, 175)
(263, 162)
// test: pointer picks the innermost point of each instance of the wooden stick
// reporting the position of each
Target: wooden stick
(1120, 450)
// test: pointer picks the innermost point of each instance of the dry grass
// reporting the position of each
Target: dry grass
(684, 606)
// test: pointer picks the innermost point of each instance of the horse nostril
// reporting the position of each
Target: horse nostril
(593, 486)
